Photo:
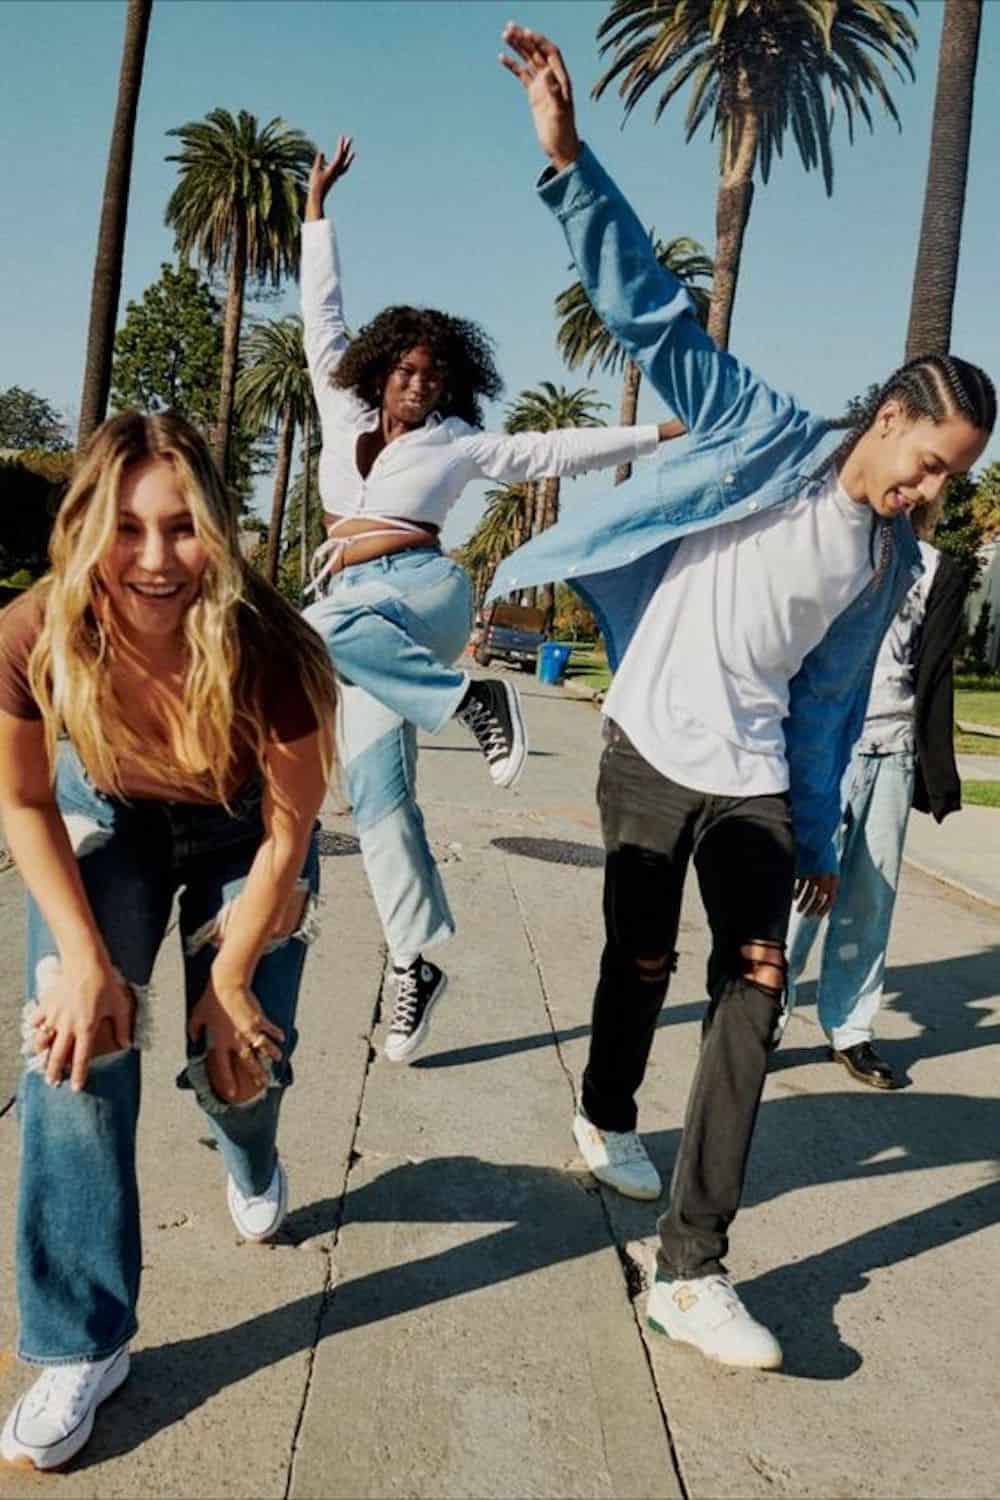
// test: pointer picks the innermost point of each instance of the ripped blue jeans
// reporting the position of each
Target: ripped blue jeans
(79, 1249)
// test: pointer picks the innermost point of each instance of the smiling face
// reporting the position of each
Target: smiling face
(153, 569)
(413, 388)
(906, 461)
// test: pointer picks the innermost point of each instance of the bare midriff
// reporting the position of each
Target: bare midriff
(377, 536)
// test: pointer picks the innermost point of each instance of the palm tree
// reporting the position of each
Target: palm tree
(237, 205)
(758, 69)
(944, 198)
(504, 525)
(274, 390)
(583, 338)
(543, 410)
(107, 282)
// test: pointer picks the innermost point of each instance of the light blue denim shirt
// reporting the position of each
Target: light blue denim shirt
(750, 448)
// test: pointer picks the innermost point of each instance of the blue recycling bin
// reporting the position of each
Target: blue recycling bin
(552, 661)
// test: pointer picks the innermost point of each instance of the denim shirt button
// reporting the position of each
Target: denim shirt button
(729, 478)
(753, 505)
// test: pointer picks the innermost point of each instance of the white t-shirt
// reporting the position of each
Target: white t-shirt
(703, 687)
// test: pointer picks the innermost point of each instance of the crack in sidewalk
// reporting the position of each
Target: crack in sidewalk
(632, 1273)
(329, 1289)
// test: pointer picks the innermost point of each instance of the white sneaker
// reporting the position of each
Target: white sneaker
(708, 1313)
(617, 1158)
(54, 1419)
(258, 1218)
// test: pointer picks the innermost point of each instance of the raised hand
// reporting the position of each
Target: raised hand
(543, 74)
(324, 174)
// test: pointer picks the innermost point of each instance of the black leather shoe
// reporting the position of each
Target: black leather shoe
(867, 1067)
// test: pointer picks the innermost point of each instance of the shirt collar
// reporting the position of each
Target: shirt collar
(368, 419)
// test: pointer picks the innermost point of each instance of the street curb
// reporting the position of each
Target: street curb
(968, 727)
(956, 885)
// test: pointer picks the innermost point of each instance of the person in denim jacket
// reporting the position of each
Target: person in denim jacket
(743, 591)
(163, 733)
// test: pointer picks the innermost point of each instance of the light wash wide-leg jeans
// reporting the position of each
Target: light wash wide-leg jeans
(393, 626)
(870, 840)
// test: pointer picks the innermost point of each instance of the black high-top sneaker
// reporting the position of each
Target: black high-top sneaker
(492, 710)
(418, 989)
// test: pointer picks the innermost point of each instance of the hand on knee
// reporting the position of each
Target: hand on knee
(236, 1084)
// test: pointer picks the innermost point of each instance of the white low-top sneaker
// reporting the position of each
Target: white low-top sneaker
(259, 1218)
(708, 1313)
(617, 1158)
(54, 1419)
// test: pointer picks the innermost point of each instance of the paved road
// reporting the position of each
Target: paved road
(455, 1309)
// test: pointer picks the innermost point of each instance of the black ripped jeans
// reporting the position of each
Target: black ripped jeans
(744, 858)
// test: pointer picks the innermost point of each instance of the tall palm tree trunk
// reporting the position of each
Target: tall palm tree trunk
(306, 477)
(106, 286)
(732, 213)
(629, 409)
(230, 351)
(936, 273)
(286, 443)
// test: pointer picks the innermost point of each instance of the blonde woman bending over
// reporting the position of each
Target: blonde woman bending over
(191, 699)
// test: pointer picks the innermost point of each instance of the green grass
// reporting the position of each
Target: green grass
(589, 665)
(976, 744)
(981, 793)
(978, 707)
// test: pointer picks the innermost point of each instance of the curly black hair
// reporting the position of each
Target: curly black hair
(461, 350)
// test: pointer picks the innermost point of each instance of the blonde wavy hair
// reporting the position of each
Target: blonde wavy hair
(237, 630)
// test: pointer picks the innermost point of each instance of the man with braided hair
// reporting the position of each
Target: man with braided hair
(743, 595)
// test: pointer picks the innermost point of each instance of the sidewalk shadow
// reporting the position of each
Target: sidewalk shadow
(943, 998)
(670, 1015)
(547, 1219)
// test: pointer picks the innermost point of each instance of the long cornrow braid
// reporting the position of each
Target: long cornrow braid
(935, 386)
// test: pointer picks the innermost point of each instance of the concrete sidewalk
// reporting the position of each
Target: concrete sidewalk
(455, 1308)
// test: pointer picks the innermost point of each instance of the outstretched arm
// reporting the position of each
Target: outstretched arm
(325, 331)
(515, 457)
(648, 310)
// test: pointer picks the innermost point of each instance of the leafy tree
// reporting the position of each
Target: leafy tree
(986, 506)
(107, 280)
(274, 389)
(168, 357)
(573, 618)
(978, 656)
(27, 420)
(958, 532)
(936, 273)
(168, 352)
(758, 69)
(31, 487)
(583, 338)
(237, 206)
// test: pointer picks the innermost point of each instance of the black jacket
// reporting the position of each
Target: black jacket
(938, 788)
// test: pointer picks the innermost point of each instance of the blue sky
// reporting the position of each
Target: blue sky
(439, 207)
